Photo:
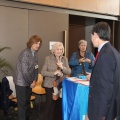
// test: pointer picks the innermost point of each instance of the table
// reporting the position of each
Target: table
(74, 100)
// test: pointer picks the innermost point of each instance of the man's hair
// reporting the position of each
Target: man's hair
(103, 30)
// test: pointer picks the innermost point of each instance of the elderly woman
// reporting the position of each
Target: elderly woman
(26, 75)
(81, 61)
(55, 68)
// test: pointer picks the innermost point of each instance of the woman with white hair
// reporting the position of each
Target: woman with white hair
(81, 61)
(55, 68)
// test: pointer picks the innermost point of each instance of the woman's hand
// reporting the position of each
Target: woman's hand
(87, 60)
(88, 75)
(60, 65)
(33, 84)
(81, 60)
(58, 73)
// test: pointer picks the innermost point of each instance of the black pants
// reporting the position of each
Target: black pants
(23, 96)
(58, 109)
(50, 104)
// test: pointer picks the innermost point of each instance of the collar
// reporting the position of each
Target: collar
(33, 52)
(100, 47)
(52, 56)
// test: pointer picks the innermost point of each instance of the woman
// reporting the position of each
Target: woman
(81, 61)
(26, 75)
(55, 68)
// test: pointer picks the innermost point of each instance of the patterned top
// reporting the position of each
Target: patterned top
(26, 70)
(50, 67)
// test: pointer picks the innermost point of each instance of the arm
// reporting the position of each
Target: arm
(64, 66)
(36, 68)
(24, 62)
(73, 60)
(66, 69)
(90, 59)
(45, 71)
(27, 65)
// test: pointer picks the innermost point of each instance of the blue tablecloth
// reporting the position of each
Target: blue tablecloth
(74, 100)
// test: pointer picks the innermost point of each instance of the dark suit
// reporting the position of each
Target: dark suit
(5, 93)
(104, 94)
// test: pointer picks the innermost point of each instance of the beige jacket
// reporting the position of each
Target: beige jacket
(50, 67)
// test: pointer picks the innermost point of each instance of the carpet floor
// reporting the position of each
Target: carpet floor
(36, 114)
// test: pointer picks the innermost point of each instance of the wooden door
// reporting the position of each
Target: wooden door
(76, 33)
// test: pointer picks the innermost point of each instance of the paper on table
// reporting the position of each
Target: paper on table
(74, 78)
(83, 82)
(80, 81)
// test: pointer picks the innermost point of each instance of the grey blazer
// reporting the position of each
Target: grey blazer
(26, 71)
(50, 67)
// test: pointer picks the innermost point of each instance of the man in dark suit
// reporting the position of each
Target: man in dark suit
(104, 93)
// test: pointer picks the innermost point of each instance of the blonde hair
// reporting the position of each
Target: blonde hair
(82, 41)
(56, 45)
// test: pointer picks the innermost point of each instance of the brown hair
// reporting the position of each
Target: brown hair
(33, 40)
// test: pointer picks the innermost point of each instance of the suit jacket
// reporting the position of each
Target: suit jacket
(104, 98)
(26, 71)
(5, 93)
(50, 67)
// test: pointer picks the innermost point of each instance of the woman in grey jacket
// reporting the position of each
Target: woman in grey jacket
(26, 75)
(55, 68)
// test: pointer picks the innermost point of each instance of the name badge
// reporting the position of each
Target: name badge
(36, 67)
